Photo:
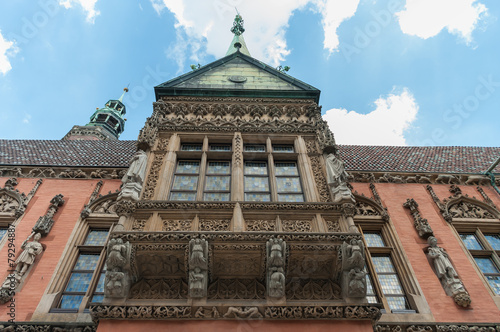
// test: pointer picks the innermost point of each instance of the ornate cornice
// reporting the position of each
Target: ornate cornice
(63, 172)
(437, 327)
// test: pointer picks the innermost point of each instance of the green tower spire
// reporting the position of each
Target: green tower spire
(111, 116)
(238, 44)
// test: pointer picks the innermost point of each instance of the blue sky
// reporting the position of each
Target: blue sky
(392, 72)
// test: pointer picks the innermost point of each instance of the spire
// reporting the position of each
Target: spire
(125, 90)
(238, 44)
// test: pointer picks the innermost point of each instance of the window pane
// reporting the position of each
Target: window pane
(191, 147)
(486, 265)
(397, 303)
(100, 284)
(184, 182)
(252, 168)
(86, 262)
(493, 239)
(257, 197)
(79, 282)
(383, 264)
(390, 284)
(96, 238)
(374, 240)
(286, 169)
(290, 198)
(283, 148)
(217, 147)
(494, 283)
(471, 242)
(289, 184)
(3, 231)
(255, 148)
(218, 183)
(188, 167)
(71, 301)
(182, 196)
(218, 167)
(216, 197)
(256, 183)
(97, 298)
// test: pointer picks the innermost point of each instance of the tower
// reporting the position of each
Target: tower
(107, 123)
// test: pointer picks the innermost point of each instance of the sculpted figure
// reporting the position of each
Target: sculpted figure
(355, 254)
(117, 253)
(442, 263)
(357, 283)
(335, 170)
(276, 249)
(198, 274)
(137, 170)
(30, 251)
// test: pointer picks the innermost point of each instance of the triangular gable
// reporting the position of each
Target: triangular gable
(240, 74)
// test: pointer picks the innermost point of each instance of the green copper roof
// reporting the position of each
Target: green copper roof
(240, 42)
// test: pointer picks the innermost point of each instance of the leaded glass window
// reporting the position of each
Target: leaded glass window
(3, 231)
(218, 181)
(485, 248)
(283, 148)
(191, 147)
(83, 272)
(185, 182)
(288, 182)
(255, 148)
(256, 181)
(220, 147)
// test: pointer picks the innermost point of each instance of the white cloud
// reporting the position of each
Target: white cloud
(27, 118)
(87, 5)
(426, 18)
(383, 126)
(7, 49)
(207, 23)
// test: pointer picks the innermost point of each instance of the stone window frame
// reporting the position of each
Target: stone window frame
(47, 308)
(419, 308)
(479, 227)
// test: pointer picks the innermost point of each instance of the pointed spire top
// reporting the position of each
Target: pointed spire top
(238, 44)
(125, 90)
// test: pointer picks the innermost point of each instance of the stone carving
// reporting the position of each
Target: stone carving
(348, 209)
(243, 312)
(417, 178)
(139, 224)
(125, 207)
(207, 312)
(237, 289)
(134, 178)
(148, 133)
(447, 179)
(117, 281)
(353, 264)
(319, 178)
(214, 225)
(159, 289)
(465, 209)
(238, 154)
(106, 206)
(162, 144)
(276, 254)
(332, 225)
(11, 171)
(176, 225)
(337, 179)
(485, 197)
(198, 268)
(154, 174)
(362, 177)
(261, 225)
(446, 273)
(12, 202)
(388, 178)
(479, 180)
(312, 290)
(9, 204)
(311, 147)
(322, 312)
(421, 224)
(364, 209)
(23, 262)
(47, 327)
(296, 225)
(45, 223)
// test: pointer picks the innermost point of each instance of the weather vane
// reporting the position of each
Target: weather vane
(237, 28)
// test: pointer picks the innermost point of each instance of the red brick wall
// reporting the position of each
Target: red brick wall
(76, 194)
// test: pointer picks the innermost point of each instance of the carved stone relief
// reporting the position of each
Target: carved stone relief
(233, 289)
(157, 289)
(118, 277)
(353, 274)
(176, 225)
(332, 225)
(154, 174)
(276, 259)
(319, 178)
(258, 225)
(312, 290)
(421, 224)
(296, 225)
(139, 224)
(337, 179)
(213, 225)
(198, 268)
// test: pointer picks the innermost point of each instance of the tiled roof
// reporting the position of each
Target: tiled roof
(443, 159)
(84, 153)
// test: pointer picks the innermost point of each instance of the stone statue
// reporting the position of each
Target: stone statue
(198, 268)
(134, 178)
(337, 179)
(442, 264)
(357, 283)
(137, 169)
(30, 251)
(355, 254)
(276, 249)
(446, 273)
(117, 281)
(353, 274)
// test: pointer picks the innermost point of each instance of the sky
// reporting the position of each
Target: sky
(391, 72)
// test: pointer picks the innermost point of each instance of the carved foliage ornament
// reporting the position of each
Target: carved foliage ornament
(421, 224)
(154, 174)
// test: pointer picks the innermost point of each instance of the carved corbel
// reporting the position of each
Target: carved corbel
(276, 257)
(198, 268)
(422, 226)
(45, 223)
(446, 273)
(353, 273)
(118, 272)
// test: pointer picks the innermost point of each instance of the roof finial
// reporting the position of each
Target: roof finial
(125, 90)
(237, 28)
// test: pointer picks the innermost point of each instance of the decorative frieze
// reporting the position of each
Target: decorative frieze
(65, 173)
(260, 225)
(176, 225)
(437, 327)
(215, 225)
(424, 178)
(47, 327)
(159, 289)
(312, 290)
(292, 225)
(237, 289)
(319, 178)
